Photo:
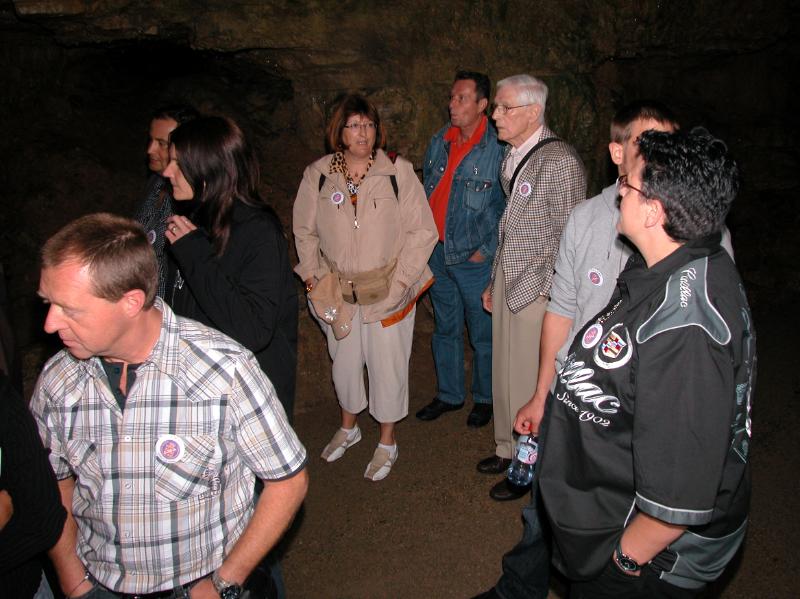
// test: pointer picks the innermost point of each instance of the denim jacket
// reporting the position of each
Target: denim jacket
(476, 199)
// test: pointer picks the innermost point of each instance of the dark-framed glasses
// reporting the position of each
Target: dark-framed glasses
(360, 126)
(623, 184)
(503, 109)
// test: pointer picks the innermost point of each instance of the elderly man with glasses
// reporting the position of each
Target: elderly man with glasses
(543, 179)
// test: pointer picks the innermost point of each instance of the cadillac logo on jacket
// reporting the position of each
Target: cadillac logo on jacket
(651, 413)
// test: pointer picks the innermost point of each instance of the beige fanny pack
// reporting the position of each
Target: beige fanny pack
(368, 287)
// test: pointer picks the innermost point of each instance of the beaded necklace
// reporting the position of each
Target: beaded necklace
(339, 164)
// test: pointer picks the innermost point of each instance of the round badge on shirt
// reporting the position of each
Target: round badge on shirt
(337, 197)
(151, 236)
(525, 189)
(170, 448)
(595, 277)
(592, 336)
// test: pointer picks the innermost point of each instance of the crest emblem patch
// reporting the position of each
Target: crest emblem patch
(613, 345)
(615, 350)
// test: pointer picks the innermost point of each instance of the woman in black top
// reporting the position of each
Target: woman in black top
(230, 258)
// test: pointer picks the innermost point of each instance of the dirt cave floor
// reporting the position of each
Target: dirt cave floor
(430, 529)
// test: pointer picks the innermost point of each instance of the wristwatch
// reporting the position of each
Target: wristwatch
(226, 590)
(626, 562)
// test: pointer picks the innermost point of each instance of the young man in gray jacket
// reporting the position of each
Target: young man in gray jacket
(591, 255)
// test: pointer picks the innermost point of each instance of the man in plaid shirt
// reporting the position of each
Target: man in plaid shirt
(158, 427)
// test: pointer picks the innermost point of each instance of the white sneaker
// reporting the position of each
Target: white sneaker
(340, 442)
(381, 464)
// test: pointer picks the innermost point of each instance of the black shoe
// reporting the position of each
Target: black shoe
(480, 415)
(493, 465)
(436, 408)
(490, 594)
(506, 491)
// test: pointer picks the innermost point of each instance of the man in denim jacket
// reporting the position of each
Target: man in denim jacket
(461, 178)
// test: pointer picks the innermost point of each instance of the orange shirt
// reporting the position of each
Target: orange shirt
(441, 195)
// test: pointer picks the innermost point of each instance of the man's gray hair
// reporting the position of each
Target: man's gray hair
(530, 90)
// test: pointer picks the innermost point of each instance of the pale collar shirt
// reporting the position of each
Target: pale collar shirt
(165, 486)
(515, 155)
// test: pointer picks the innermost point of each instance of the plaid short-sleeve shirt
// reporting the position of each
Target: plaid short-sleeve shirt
(164, 488)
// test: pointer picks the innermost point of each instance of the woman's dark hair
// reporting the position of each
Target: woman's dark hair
(221, 167)
(348, 106)
(694, 176)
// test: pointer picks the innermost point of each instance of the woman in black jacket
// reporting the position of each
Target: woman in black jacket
(230, 258)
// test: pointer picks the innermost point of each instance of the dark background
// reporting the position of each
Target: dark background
(78, 79)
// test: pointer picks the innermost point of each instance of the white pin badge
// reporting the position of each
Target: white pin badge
(592, 336)
(170, 448)
(595, 277)
(525, 189)
(337, 197)
(151, 236)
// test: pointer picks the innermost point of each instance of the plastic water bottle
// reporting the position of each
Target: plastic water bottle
(520, 472)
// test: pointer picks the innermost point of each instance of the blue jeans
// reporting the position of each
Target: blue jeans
(456, 295)
(44, 591)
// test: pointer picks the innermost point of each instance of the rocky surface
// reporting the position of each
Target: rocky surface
(277, 66)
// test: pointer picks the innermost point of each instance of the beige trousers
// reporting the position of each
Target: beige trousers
(386, 353)
(515, 361)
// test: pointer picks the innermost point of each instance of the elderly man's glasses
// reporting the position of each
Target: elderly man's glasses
(623, 183)
(503, 109)
(360, 126)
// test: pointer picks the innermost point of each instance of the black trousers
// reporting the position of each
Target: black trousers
(526, 568)
(613, 583)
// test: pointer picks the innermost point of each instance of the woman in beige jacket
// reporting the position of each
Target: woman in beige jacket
(364, 233)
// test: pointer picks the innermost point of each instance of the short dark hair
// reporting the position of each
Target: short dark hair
(654, 110)
(483, 87)
(116, 251)
(346, 107)
(180, 113)
(693, 176)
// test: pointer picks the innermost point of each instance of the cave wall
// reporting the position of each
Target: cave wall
(80, 77)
